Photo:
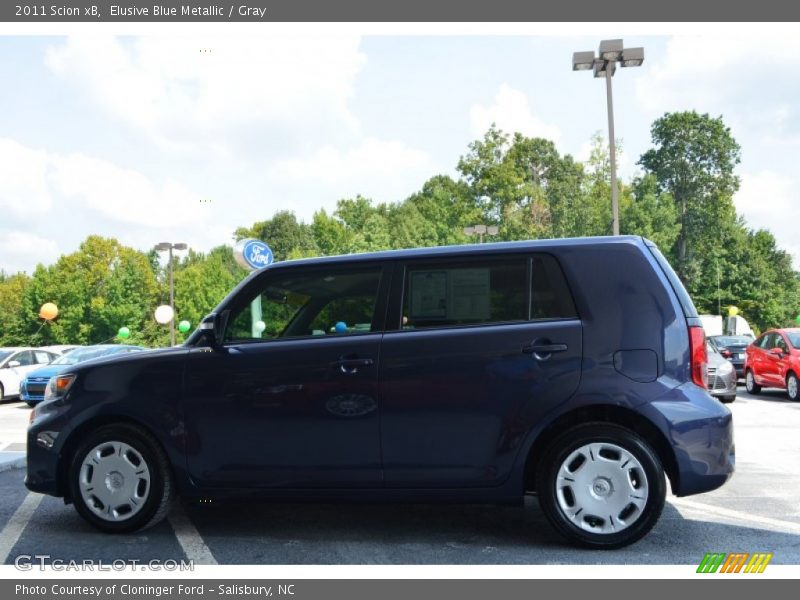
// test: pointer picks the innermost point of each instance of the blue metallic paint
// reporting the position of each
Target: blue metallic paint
(457, 411)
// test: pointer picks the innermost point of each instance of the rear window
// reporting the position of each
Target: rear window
(683, 296)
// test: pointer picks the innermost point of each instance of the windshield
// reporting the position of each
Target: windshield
(81, 354)
(4, 355)
(732, 340)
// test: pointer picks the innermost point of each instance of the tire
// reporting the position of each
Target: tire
(793, 387)
(132, 477)
(727, 399)
(588, 527)
(750, 383)
(31, 404)
(2, 393)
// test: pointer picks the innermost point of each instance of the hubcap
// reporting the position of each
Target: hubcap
(114, 481)
(792, 387)
(750, 381)
(602, 488)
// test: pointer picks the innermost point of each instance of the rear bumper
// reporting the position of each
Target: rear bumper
(700, 431)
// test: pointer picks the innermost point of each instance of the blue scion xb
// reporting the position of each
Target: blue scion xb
(33, 386)
(571, 369)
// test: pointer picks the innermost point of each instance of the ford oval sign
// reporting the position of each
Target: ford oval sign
(252, 254)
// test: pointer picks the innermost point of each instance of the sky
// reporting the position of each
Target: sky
(184, 139)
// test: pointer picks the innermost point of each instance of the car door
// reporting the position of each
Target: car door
(27, 363)
(476, 350)
(290, 399)
(768, 361)
(782, 362)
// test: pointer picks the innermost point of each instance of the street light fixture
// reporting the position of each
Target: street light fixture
(604, 65)
(169, 246)
(481, 230)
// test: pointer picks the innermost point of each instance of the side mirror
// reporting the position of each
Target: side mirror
(213, 327)
(776, 352)
(13, 363)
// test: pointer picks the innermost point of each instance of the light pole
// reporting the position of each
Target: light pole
(605, 65)
(170, 247)
(481, 230)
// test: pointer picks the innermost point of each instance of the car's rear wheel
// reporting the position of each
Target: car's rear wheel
(792, 387)
(2, 393)
(750, 383)
(120, 479)
(601, 485)
(728, 399)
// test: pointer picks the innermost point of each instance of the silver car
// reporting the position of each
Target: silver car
(721, 376)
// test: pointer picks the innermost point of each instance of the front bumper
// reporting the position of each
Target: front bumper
(45, 441)
(700, 430)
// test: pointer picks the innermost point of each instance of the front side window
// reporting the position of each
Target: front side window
(25, 358)
(292, 305)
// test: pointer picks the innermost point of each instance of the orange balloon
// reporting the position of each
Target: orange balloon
(49, 311)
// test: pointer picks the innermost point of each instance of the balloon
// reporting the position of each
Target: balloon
(124, 333)
(797, 318)
(732, 311)
(184, 326)
(48, 311)
(340, 327)
(260, 326)
(164, 314)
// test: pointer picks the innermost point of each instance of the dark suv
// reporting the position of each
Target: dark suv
(570, 369)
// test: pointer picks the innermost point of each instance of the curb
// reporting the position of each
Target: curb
(12, 460)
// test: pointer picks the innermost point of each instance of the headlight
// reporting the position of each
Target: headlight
(58, 386)
(725, 368)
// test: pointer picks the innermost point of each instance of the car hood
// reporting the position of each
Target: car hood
(48, 371)
(129, 357)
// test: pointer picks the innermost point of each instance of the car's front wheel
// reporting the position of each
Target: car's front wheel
(728, 399)
(120, 480)
(750, 383)
(601, 485)
(792, 387)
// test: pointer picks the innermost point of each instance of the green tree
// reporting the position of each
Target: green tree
(693, 159)
(12, 325)
(283, 233)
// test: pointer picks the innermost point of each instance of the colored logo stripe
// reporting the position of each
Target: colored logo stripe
(734, 562)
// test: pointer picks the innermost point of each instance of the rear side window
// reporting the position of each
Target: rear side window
(484, 292)
(465, 293)
(550, 296)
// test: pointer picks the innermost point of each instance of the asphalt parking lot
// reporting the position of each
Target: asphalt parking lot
(756, 511)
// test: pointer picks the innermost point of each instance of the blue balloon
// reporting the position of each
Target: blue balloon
(340, 327)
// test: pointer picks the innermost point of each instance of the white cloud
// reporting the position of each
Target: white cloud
(125, 195)
(20, 249)
(23, 180)
(511, 111)
(700, 72)
(372, 158)
(265, 92)
(767, 200)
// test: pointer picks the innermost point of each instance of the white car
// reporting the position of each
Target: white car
(60, 349)
(15, 363)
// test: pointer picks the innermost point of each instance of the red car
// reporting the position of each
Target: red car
(773, 360)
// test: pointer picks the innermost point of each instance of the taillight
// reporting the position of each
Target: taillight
(699, 358)
(726, 353)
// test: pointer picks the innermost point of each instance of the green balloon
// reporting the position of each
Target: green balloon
(797, 318)
(124, 333)
(184, 326)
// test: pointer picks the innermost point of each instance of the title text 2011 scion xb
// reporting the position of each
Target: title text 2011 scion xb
(572, 369)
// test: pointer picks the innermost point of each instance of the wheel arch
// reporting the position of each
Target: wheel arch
(77, 435)
(613, 415)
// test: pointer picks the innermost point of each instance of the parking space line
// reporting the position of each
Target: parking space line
(742, 517)
(188, 537)
(17, 523)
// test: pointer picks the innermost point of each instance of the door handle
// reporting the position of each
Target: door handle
(542, 351)
(349, 366)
